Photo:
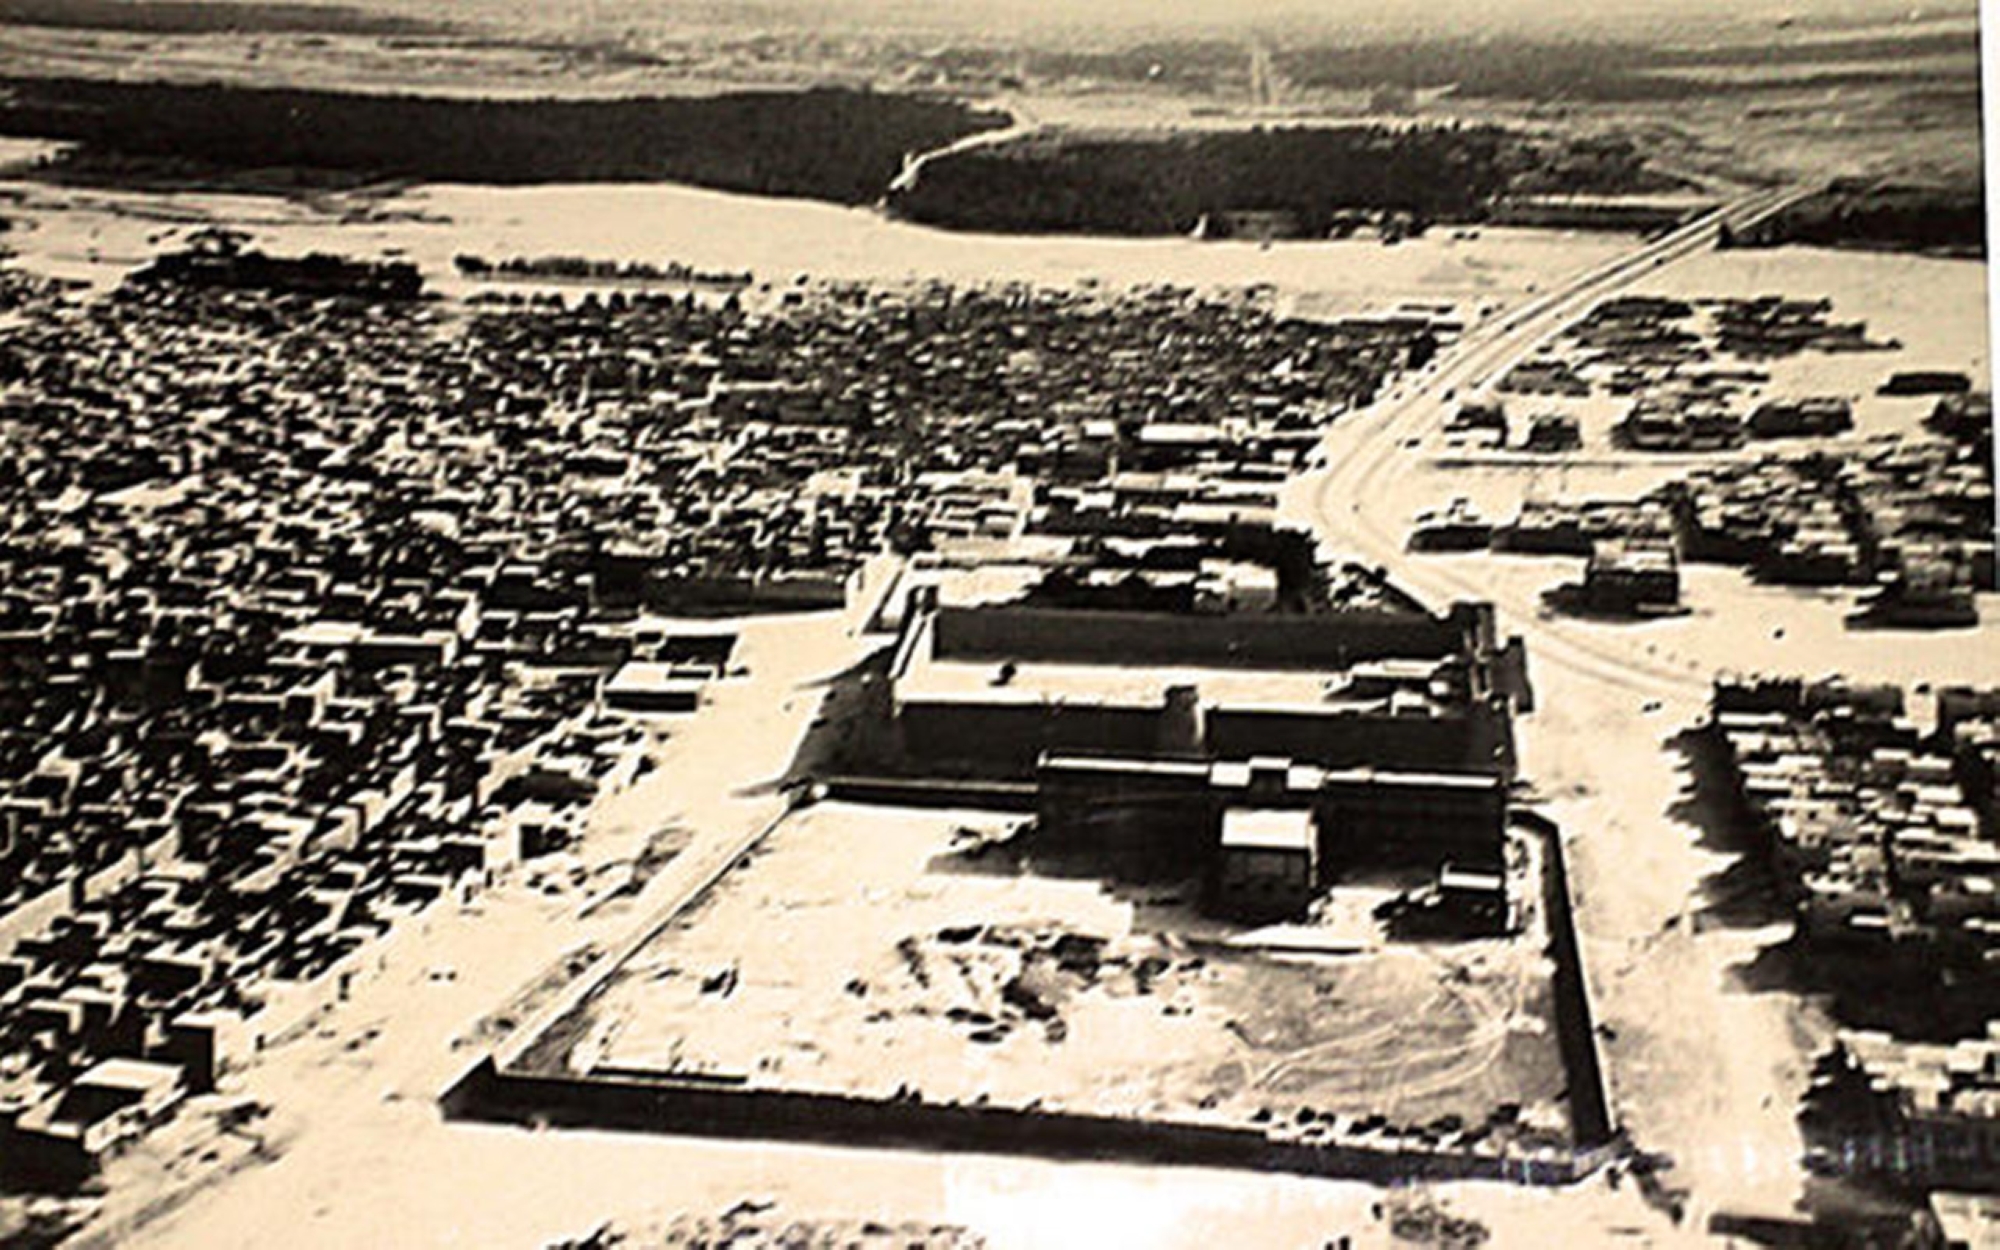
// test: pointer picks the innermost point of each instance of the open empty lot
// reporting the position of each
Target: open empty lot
(857, 952)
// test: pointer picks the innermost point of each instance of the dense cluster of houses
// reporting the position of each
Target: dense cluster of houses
(1885, 836)
(1882, 833)
(1689, 367)
(1910, 516)
(320, 604)
(1925, 1113)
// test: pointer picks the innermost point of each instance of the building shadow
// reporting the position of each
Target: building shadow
(846, 734)
(1747, 893)
(1911, 1000)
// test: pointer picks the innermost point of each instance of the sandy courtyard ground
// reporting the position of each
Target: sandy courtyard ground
(853, 954)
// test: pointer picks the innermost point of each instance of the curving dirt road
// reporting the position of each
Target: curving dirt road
(1351, 502)
(1698, 1068)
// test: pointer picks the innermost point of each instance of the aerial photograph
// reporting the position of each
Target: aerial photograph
(930, 624)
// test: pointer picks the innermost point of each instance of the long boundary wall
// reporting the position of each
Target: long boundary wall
(640, 1103)
(1002, 796)
(1592, 1122)
(524, 1038)
(498, 1088)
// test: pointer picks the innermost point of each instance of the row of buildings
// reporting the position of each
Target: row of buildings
(1631, 344)
(1886, 837)
(1690, 368)
(1908, 519)
(1926, 1114)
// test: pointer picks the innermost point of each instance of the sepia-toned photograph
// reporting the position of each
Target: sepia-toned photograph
(1000, 624)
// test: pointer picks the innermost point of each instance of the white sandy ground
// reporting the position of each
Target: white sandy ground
(96, 235)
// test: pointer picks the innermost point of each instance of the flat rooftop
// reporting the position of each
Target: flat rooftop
(1268, 829)
(930, 680)
(1391, 685)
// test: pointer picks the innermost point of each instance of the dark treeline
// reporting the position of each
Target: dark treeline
(1944, 220)
(829, 144)
(1166, 183)
(205, 17)
(567, 267)
(230, 268)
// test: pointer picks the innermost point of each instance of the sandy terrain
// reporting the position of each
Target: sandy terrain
(1935, 308)
(95, 236)
(856, 953)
